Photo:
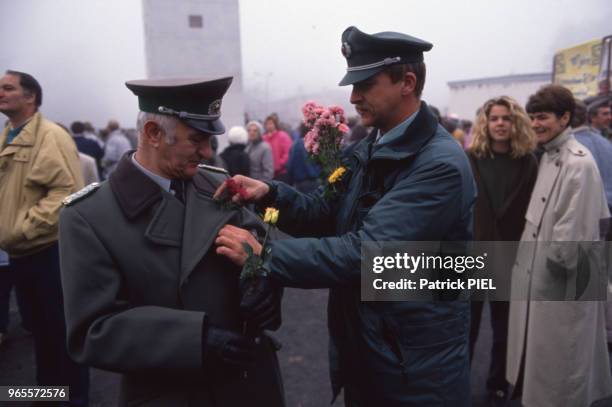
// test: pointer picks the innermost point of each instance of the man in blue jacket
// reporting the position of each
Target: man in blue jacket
(410, 181)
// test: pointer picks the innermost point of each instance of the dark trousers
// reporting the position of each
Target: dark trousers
(6, 284)
(496, 379)
(7, 281)
(37, 279)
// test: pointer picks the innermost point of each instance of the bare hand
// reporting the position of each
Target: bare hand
(229, 244)
(255, 190)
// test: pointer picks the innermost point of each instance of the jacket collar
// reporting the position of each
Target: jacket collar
(27, 135)
(134, 191)
(556, 143)
(420, 131)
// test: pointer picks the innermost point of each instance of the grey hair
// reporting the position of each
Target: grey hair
(257, 125)
(167, 123)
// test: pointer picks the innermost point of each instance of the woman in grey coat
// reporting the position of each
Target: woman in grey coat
(260, 153)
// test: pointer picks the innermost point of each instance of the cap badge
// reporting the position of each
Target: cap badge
(215, 107)
(346, 50)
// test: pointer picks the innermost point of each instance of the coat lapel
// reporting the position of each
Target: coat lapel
(203, 220)
(166, 227)
(136, 193)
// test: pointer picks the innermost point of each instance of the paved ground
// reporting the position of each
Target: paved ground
(303, 357)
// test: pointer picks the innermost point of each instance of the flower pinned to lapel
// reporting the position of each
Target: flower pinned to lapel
(232, 188)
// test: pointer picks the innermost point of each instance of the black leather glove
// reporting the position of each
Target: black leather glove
(228, 347)
(260, 304)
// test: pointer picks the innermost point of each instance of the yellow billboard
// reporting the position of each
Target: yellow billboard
(577, 67)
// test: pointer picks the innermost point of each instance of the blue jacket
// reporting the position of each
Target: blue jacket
(299, 165)
(418, 187)
(601, 149)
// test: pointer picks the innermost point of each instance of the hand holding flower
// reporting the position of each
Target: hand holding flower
(230, 243)
(240, 189)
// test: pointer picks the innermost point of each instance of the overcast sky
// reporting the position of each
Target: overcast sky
(299, 41)
(293, 45)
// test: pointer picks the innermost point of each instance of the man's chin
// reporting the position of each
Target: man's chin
(367, 121)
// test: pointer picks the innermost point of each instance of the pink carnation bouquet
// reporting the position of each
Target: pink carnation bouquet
(327, 127)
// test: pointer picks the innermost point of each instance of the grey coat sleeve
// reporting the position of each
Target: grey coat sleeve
(106, 331)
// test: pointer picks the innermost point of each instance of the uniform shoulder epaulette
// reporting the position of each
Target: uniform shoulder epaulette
(80, 194)
(577, 149)
(214, 169)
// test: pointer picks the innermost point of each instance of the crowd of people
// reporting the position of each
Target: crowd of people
(105, 293)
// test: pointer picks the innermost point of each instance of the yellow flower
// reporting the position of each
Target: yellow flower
(271, 216)
(336, 175)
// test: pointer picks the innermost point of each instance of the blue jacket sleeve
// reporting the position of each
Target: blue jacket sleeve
(303, 215)
(422, 206)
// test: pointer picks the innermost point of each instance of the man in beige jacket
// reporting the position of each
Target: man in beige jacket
(39, 167)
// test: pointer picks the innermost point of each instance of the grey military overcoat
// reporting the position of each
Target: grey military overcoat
(140, 276)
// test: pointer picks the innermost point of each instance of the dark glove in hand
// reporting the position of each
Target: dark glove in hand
(260, 304)
(229, 347)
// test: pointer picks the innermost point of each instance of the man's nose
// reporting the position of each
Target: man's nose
(355, 96)
(205, 151)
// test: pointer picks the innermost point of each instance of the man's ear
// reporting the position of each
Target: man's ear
(30, 98)
(565, 119)
(409, 84)
(152, 133)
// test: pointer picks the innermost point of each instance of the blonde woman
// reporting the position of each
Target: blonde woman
(505, 171)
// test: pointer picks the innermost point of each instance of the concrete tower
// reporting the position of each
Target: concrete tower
(194, 38)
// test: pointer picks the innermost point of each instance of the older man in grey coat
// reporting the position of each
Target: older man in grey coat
(145, 293)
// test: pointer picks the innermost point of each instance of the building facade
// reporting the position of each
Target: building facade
(467, 96)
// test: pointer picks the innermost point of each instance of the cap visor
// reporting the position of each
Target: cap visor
(213, 127)
(358, 76)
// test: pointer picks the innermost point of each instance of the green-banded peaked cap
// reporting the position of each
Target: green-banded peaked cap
(196, 101)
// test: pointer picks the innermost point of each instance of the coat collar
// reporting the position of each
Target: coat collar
(555, 144)
(134, 191)
(420, 131)
(26, 137)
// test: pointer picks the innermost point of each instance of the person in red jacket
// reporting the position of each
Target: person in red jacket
(280, 142)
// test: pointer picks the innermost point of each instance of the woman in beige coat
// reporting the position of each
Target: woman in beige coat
(557, 352)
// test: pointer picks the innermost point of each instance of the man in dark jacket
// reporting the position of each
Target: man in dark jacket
(145, 294)
(410, 181)
(86, 145)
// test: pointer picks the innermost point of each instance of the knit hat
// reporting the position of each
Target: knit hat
(237, 135)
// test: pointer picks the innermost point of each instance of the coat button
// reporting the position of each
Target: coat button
(557, 164)
(543, 199)
(557, 150)
(534, 235)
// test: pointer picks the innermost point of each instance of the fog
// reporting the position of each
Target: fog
(83, 51)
